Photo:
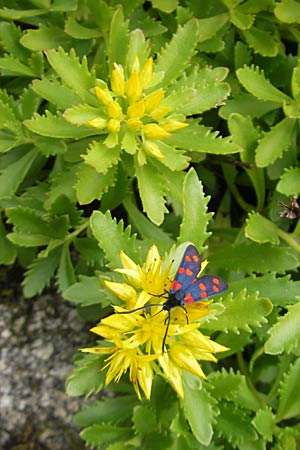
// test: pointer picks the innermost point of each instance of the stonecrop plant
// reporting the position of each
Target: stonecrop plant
(138, 139)
(139, 341)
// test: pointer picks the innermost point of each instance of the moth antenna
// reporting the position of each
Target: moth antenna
(168, 319)
(138, 309)
(186, 314)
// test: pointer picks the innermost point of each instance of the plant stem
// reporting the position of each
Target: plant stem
(289, 239)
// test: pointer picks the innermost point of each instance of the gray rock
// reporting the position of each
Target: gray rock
(38, 338)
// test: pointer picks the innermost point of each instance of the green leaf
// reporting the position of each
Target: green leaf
(144, 420)
(102, 435)
(46, 36)
(245, 134)
(11, 64)
(86, 292)
(255, 82)
(251, 257)
(198, 406)
(18, 14)
(289, 183)
(289, 398)
(7, 141)
(57, 127)
(261, 41)
(146, 229)
(55, 93)
(235, 426)
(8, 252)
(107, 231)
(6, 113)
(247, 105)
(91, 184)
(287, 11)
(284, 335)
(10, 37)
(62, 183)
(295, 83)
(107, 410)
(27, 220)
(232, 387)
(86, 379)
(195, 216)
(173, 159)
(118, 39)
(151, 192)
(264, 422)
(100, 157)
(241, 20)
(138, 47)
(209, 26)
(241, 313)
(260, 229)
(78, 31)
(73, 73)
(40, 273)
(13, 175)
(199, 92)
(81, 114)
(28, 239)
(281, 291)
(166, 6)
(65, 275)
(275, 142)
(183, 43)
(199, 138)
(89, 251)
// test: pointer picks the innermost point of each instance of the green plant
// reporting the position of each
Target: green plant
(161, 123)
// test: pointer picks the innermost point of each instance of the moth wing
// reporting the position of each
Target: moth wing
(187, 271)
(204, 287)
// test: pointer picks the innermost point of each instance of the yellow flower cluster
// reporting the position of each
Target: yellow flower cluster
(134, 340)
(132, 117)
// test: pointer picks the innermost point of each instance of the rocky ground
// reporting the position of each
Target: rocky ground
(38, 338)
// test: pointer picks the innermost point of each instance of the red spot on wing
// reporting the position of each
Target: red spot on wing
(195, 258)
(215, 288)
(188, 298)
(189, 272)
(194, 281)
(181, 270)
(202, 286)
(188, 258)
(216, 281)
(175, 285)
(203, 294)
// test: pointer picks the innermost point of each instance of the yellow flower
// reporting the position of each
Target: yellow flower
(135, 333)
(133, 117)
